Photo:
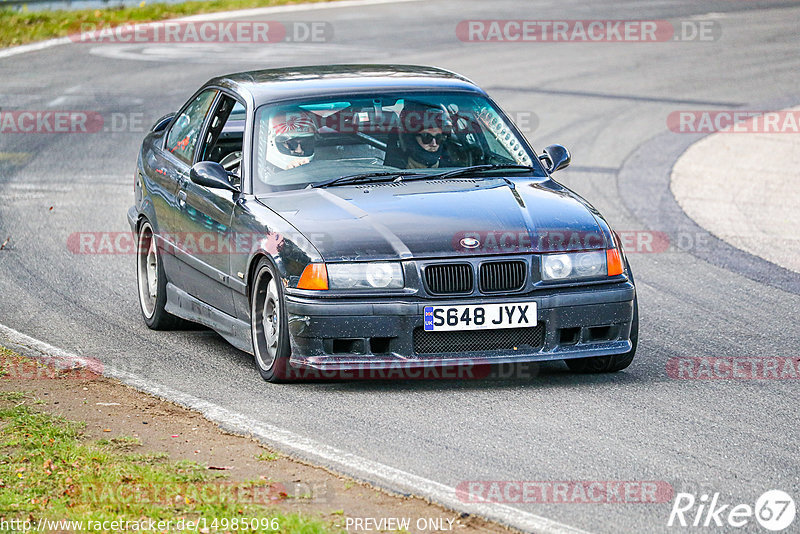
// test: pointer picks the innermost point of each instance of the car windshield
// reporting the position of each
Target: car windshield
(318, 140)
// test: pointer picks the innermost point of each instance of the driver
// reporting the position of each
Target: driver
(292, 139)
(425, 130)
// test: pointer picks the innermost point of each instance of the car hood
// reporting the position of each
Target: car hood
(441, 218)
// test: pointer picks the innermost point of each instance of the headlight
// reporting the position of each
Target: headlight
(556, 266)
(575, 265)
(377, 275)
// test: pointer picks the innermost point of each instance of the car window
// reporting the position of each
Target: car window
(224, 137)
(238, 112)
(182, 137)
(309, 141)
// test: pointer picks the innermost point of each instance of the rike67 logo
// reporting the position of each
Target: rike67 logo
(774, 510)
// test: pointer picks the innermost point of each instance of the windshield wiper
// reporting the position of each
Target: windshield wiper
(477, 169)
(382, 176)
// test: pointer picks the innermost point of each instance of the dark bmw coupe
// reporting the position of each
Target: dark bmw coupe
(372, 217)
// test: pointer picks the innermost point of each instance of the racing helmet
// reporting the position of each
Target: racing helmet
(291, 140)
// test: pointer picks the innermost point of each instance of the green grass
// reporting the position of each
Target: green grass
(120, 443)
(11, 396)
(48, 469)
(20, 27)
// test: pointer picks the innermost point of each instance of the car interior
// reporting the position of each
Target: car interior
(366, 131)
(225, 137)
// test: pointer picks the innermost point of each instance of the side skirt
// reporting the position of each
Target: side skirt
(185, 306)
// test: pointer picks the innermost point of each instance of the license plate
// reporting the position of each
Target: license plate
(480, 316)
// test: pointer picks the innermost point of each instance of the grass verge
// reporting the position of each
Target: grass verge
(48, 470)
(137, 456)
(20, 27)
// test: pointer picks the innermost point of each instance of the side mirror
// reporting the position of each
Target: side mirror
(555, 158)
(162, 123)
(212, 175)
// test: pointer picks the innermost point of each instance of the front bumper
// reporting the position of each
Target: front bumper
(341, 334)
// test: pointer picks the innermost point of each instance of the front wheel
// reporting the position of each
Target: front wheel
(614, 363)
(269, 325)
(151, 281)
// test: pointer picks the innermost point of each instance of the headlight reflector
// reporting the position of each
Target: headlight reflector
(590, 264)
(556, 266)
(375, 275)
(380, 274)
(574, 265)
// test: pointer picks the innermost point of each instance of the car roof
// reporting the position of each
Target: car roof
(272, 85)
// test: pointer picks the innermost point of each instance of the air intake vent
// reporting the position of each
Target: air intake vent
(449, 278)
(497, 276)
(478, 340)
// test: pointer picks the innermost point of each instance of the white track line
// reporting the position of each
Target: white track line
(221, 15)
(370, 471)
(33, 47)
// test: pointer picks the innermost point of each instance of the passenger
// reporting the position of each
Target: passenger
(424, 133)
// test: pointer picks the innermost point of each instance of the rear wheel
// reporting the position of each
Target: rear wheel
(269, 325)
(151, 281)
(614, 363)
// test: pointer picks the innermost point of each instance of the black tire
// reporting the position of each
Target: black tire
(151, 282)
(269, 325)
(610, 364)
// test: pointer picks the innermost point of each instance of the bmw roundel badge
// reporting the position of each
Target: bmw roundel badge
(470, 242)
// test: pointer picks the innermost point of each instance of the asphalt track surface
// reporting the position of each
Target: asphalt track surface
(605, 101)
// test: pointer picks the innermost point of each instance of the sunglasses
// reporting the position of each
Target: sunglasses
(427, 138)
(306, 145)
